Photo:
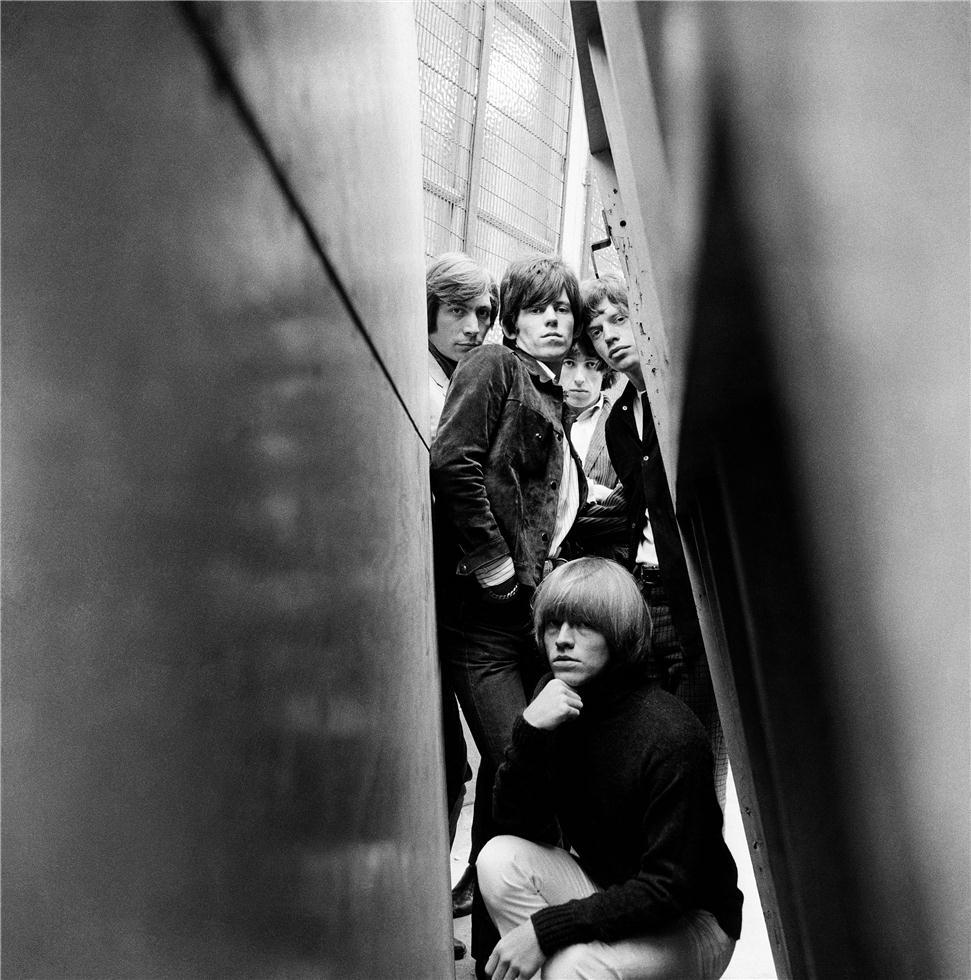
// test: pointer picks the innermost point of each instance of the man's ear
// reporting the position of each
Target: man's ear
(510, 332)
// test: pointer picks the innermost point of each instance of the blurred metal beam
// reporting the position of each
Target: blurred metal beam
(219, 755)
(792, 211)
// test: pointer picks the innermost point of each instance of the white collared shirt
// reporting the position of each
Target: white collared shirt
(438, 383)
(581, 432)
(646, 552)
(568, 502)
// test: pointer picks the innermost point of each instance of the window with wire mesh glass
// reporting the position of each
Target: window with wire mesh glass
(496, 85)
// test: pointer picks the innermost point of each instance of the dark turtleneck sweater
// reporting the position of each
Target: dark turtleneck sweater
(631, 784)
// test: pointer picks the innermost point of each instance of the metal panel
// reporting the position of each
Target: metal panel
(865, 278)
(220, 753)
(600, 256)
(793, 202)
(311, 121)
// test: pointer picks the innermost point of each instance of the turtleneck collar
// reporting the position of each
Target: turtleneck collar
(613, 685)
(443, 362)
(538, 369)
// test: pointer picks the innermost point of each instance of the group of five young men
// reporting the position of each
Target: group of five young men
(574, 688)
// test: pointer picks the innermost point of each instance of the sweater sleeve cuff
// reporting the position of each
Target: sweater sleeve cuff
(526, 738)
(555, 927)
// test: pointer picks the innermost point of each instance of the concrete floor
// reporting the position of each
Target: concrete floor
(753, 956)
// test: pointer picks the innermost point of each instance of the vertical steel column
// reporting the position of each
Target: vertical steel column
(478, 130)
(566, 163)
(464, 83)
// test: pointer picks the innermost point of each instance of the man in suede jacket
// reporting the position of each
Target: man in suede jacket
(507, 487)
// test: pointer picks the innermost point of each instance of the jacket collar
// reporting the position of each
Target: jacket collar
(601, 403)
(447, 366)
(540, 372)
(626, 403)
(436, 373)
(628, 395)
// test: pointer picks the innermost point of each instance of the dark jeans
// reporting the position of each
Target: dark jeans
(457, 770)
(493, 665)
(689, 680)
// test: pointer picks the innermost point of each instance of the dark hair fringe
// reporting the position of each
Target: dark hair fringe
(594, 291)
(583, 347)
(536, 281)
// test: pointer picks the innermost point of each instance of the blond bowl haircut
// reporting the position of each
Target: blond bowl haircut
(601, 594)
(453, 277)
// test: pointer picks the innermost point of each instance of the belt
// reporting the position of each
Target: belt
(649, 574)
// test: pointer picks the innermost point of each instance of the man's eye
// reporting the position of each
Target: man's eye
(620, 318)
(594, 331)
(563, 308)
(590, 365)
(483, 314)
(568, 363)
(554, 624)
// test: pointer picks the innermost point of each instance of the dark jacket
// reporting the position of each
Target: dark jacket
(600, 529)
(641, 470)
(496, 465)
(630, 784)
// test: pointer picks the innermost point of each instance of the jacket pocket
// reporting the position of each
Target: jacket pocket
(525, 441)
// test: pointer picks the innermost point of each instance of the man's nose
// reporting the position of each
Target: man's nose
(551, 315)
(610, 333)
(565, 636)
(470, 323)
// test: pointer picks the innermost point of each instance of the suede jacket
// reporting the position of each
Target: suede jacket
(496, 465)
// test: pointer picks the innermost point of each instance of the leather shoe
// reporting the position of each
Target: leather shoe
(459, 948)
(462, 893)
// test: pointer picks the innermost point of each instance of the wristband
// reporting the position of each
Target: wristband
(497, 596)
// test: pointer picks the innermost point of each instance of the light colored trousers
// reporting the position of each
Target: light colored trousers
(517, 878)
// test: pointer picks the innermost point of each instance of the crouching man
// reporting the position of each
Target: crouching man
(624, 770)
